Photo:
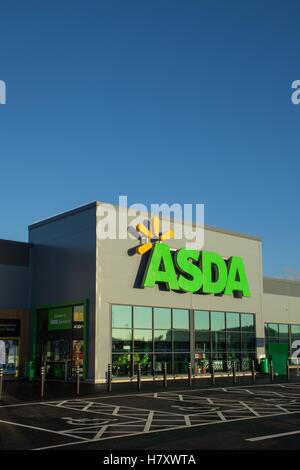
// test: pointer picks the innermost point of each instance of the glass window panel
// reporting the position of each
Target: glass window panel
(145, 360)
(181, 340)
(181, 362)
(180, 318)
(248, 342)
(217, 321)
(266, 330)
(234, 341)
(295, 330)
(163, 340)
(202, 341)
(202, 363)
(246, 361)
(233, 357)
(232, 321)
(218, 341)
(219, 362)
(121, 316)
(247, 321)
(121, 365)
(142, 317)
(271, 329)
(295, 333)
(283, 333)
(283, 329)
(159, 360)
(143, 340)
(121, 340)
(201, 320)
(162, 318)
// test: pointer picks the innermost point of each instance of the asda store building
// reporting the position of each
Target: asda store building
(125, 302)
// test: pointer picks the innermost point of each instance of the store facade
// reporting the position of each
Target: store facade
(60, 342)
(130, 323)
(97, 301)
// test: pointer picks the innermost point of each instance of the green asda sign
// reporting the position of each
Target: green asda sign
(194, 271)
(60, 318)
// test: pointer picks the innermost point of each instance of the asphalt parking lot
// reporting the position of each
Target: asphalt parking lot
(265, 416)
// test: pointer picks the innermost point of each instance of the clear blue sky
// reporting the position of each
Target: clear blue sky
(162, 100)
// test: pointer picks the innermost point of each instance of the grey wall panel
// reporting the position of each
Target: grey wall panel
(14, 253)
(14, 287)
(281, 309)
(64, 264)
(281, 287)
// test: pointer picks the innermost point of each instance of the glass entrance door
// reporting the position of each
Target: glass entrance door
(60, 333)
(57, 354)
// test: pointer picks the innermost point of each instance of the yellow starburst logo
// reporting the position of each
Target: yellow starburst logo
(154, 235)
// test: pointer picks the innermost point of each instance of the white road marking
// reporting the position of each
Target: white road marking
(278, 394)
(282, 408)
(12, 423)
(185, 391)
(249, 408)
(129, 408)
(87, 406)
(87, 421)
(61, 403)
(95, 412)
(163, 415)
(270, 436)
(100, 432)
(162, 430)
(95, 426)
(149, 422)
(221, 416)
(116, 410)
(187, 420)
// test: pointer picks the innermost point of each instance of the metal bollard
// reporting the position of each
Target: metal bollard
(287, 370)
(139, 377)
(77, 372)
(253, 372)
(189, 374)
(1, 382)
(213, 374)
(109, 377)
(233, 373)
(42, 376)
(271, 371)
(165, 374)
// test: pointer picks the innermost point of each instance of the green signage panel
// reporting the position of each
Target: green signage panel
(60, 318)
(195, 271)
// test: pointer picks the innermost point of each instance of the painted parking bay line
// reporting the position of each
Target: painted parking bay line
(156, 431)
(272, 436)
(52, 431)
